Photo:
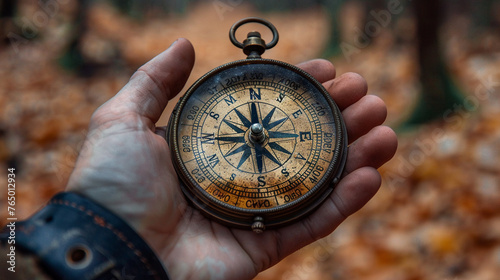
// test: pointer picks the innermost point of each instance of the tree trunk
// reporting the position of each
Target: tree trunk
(438, 92)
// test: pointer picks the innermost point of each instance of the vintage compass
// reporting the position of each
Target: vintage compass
(257, 143)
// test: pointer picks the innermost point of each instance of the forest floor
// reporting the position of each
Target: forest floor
(437, 214)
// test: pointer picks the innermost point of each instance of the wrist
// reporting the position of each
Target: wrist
(75, 238)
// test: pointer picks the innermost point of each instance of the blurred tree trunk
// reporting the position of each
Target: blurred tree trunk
(438, 91)
(482, 13)
(7, 13)
(333, 8)
(73, 58)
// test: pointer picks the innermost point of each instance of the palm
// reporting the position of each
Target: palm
(125, 165)
(148, 204)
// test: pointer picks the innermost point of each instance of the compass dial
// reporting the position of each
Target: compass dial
(257, 139)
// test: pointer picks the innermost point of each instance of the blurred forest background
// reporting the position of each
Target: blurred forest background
(436, 63)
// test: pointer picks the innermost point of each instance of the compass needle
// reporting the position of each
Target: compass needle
(273, 124)
(270, 156)
(253, 113)
(234, 127)
(278, 134)
(246, 154)
(238, 150)
(238, 139)
(258, 156)
(243, 119)
(267, 118)
(278, 147)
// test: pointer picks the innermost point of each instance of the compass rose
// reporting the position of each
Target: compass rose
(257, 137)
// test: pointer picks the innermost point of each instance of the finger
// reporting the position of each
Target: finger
(322, 70)
(153, 84)
(352, 193)
(355, 190)
(364, 115)
(373, 149)
(347, 89)
(161, 131)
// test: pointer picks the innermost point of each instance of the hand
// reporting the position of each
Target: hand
(125, 166)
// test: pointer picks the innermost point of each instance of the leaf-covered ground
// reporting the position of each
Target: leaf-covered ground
(437, 215)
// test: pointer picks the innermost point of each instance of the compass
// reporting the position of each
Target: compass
(257, 143)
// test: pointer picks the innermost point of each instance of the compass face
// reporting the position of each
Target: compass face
(257, 138)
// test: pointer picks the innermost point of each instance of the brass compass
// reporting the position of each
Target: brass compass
(257, 143)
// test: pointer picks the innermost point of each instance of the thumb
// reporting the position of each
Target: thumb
(156, 82)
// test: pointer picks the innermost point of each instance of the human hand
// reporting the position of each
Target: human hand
(125, 166)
